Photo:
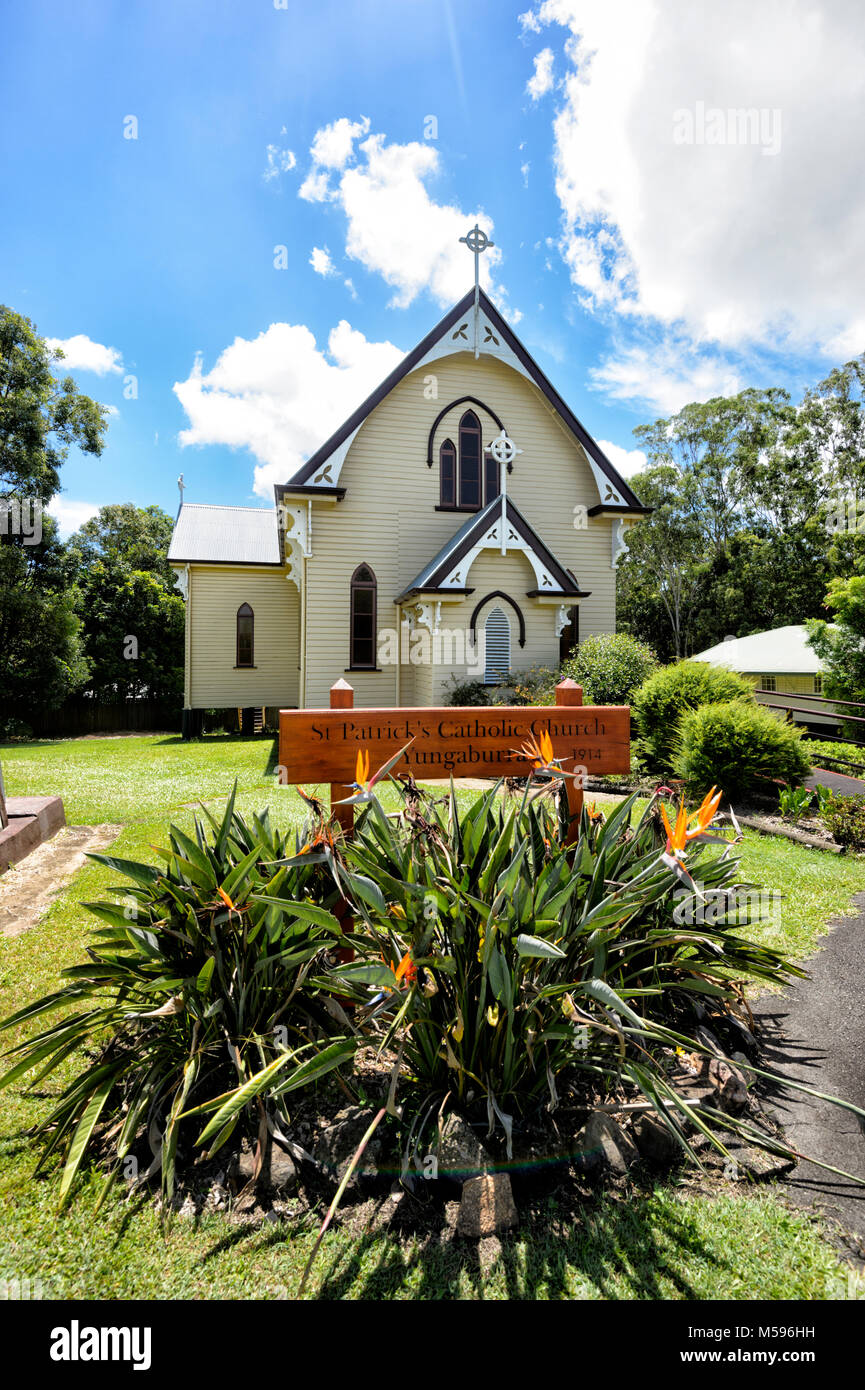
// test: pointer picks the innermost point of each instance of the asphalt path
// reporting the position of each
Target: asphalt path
(814, 1033)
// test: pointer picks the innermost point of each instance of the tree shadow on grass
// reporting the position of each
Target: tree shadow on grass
(620, 1246)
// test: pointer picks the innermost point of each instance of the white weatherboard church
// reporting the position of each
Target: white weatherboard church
(462, 500)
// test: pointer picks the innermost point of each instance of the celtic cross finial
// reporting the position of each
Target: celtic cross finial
(477, 241)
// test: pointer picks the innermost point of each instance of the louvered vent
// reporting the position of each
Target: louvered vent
(498, 648)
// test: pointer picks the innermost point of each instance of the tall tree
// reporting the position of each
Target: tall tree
(41, 655)
(41, 416)
(133, 618)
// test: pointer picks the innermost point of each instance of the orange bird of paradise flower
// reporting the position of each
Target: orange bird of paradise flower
(539, 752)
(688, 828)
(364, 784)
(406, 972)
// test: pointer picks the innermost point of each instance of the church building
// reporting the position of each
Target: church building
(460, 525)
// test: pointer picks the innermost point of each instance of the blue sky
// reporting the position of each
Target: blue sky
(652, 248)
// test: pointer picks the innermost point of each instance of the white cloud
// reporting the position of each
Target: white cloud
(278, 162)
(280, 396)
(393, 225)
(316, 186)
(81, 353)
(524, 170)
(333, 145)
(664, 376)
(542, 79)
(70, 515)
(720, 241)
(627, 462)
(321, 262)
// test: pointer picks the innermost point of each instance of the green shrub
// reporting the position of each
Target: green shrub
(740, 748)
(669, 693)
(14, 730)
(610, 667)
(818, 749)
(213, 969)
(793, 802)
(844, 818)
(477, 693)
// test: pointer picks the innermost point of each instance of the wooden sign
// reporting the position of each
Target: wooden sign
(321, 745)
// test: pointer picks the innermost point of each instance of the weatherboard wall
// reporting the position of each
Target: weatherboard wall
(388, 520)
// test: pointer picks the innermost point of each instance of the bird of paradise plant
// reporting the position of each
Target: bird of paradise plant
(538, 751)
(525, 943)
(364, 785)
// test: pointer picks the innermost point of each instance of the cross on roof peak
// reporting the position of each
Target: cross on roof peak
(477, 241)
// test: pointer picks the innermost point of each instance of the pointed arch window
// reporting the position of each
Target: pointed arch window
(245, 636)
(497, 653)
(468, 475)
(363, 619)
(470, 460)
(448, 474)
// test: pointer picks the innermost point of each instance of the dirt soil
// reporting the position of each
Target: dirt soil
(27, 889)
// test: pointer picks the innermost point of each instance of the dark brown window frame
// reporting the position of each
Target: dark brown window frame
(477, 431)
(244, 611)
(362, 586)
(444, 502)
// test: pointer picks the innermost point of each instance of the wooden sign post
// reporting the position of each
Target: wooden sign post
(321, 745)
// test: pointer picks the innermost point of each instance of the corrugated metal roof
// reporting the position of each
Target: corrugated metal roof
(780, 651)
(226, 535)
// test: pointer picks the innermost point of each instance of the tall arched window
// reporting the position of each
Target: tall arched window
(245, 636)
(497, 653)
(470, 460)
(468, 476)
(448, 474)
(363, 619)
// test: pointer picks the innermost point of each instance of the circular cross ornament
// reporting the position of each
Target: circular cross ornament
(476, 240)
(503, 449)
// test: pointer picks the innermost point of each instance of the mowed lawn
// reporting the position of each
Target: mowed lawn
(667, 1243)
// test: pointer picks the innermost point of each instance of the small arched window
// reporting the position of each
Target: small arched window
(448, 474)
(245, 636)
(363, 619)
(497, 653)
(470, 460)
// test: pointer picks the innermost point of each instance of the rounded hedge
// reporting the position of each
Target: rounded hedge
(738, 747)
(610, 666)
(668, 694)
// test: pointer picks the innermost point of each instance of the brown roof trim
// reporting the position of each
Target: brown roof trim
(411, 360)
(426, 589)
(307, 490)
(601, 508)
(246, 564)
(566, 593)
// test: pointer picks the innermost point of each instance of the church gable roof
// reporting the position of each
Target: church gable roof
(448, 570)
(454, 334)
(205, 534)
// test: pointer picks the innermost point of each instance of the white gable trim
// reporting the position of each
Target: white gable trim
(502, 536)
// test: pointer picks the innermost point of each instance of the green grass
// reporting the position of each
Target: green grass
(664, 1244)
(657, 1245)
